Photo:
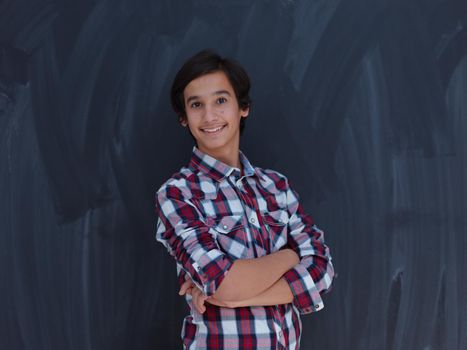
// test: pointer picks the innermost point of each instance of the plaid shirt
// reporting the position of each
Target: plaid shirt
(209, 215)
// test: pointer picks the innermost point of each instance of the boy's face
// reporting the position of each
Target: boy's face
(213, 114)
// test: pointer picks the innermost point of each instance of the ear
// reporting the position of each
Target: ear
(244, 112)
(183, 122)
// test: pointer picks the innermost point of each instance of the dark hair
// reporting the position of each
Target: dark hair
(204, 62)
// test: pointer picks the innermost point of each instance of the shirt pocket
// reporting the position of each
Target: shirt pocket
(231, 235)
(276, 223)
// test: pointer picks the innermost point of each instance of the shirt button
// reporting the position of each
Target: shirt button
(252, 220)
(225, 227)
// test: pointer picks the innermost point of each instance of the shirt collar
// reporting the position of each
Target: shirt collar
(218, 170)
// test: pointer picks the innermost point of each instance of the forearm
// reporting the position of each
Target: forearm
(248, 278)
(278, 293)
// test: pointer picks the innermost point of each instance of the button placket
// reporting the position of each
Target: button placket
(244, 196)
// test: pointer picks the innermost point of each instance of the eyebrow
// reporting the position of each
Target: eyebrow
(218, 92)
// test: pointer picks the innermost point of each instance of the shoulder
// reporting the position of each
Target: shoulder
(177, 185)
(186, 184)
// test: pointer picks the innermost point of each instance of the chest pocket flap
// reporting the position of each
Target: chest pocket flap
(229, 223)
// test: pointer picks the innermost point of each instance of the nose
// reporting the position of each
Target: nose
(210, 114)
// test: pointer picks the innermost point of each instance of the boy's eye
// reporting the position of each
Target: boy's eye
(195, 105)
(221, 100)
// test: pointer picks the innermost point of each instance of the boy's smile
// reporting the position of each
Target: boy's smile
(213, 116)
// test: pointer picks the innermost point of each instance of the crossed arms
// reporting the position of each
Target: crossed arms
(250, 282)
(299, 274)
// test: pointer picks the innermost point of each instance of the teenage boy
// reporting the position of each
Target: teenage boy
(249, 260)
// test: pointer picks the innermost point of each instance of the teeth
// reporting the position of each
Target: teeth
(213, 130)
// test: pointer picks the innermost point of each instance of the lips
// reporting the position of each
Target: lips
(213, 129)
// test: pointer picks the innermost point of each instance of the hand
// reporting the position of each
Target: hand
(199, 298)
(186, 287)
(190, 288)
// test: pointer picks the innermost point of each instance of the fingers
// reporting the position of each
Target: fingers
(198, 300)
(185, 286)
(201, 306)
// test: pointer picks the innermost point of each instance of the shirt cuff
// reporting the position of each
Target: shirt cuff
(307, 298)
(212, 268)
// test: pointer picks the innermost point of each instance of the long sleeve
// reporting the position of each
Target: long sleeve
(314, 274)
(180, 228)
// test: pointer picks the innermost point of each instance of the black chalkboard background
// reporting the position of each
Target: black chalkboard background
(361, 103)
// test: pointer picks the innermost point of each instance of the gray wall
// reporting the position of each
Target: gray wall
(362, 103)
